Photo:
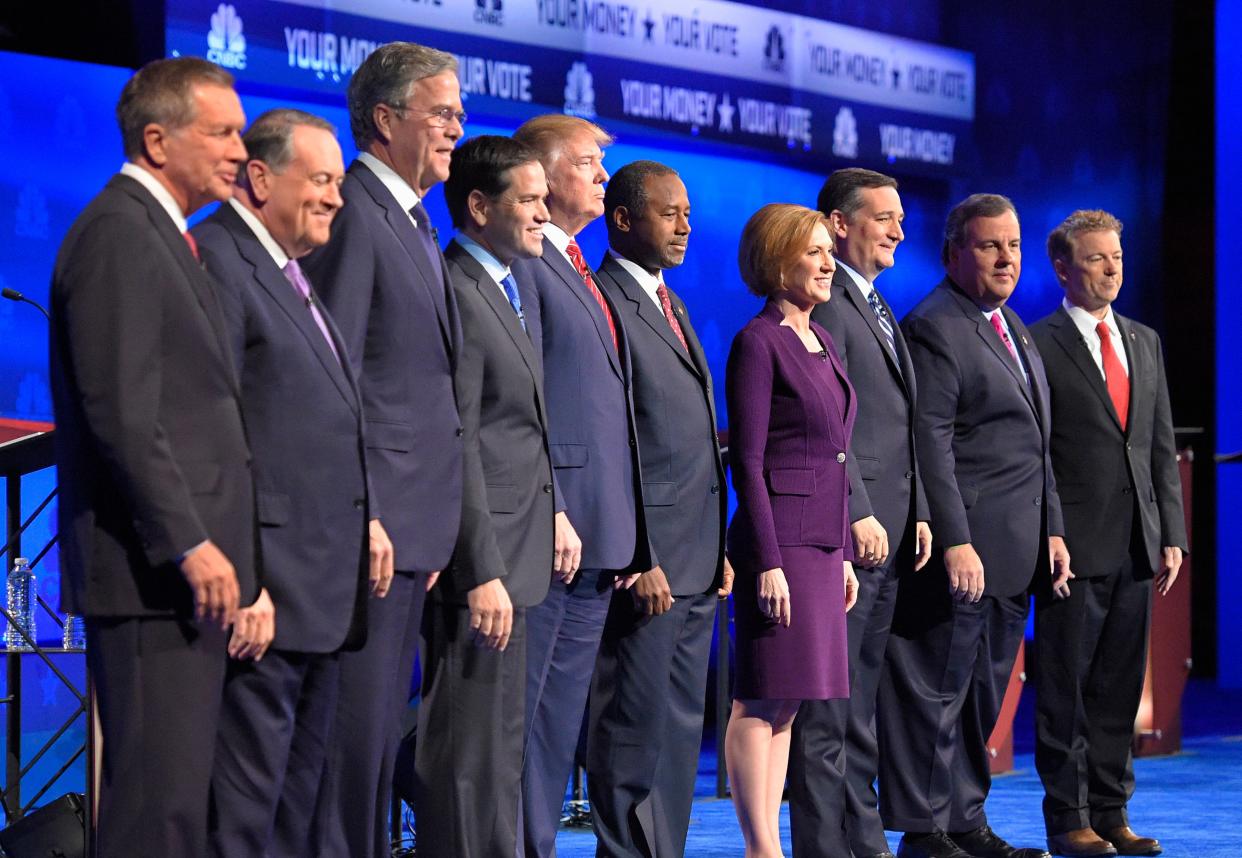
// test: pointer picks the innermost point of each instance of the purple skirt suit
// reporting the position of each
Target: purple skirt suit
(790, 416)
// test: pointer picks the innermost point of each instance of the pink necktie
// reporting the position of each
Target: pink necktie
(293, 273)
(1000, 332)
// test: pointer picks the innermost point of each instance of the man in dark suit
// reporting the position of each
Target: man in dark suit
(982, 434)
(1114, 458)
(833, 806)
(592, 440)
(157, 503)
(646, 710)
(382, 277)
(469, 758)
(304, 420)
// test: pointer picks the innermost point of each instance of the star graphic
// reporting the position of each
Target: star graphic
(726, 110)
(649, 24)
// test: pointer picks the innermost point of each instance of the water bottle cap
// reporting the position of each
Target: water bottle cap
(22, 561)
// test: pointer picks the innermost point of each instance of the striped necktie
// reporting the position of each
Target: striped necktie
(882, 316)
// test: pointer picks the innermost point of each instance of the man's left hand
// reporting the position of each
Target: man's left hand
(923, 536)
(1170, 565)
(253, 629)
(1059, 561)
(381, 559)
(726, 581)
(652, 594)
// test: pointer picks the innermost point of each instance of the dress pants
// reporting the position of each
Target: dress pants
(469, 760)
(356, 794)
(274, 736)
(158, 683)
(833, 760)
(563, 633)
(646, 725)
(945, 677)
(1091, 660)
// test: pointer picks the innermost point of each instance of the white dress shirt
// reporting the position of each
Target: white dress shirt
(162, 195)
(405, 196)
(988, 314)
(1086, 323)
(261, 233)
(560, 240)
(484, 257)
(649, 282)
(863, 284)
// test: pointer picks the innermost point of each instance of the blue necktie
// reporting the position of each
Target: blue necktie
(515, 300)
(881, 315)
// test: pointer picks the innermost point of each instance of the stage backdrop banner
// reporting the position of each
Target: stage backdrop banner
(819, 92)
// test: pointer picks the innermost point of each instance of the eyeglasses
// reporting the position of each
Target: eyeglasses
(440, 116)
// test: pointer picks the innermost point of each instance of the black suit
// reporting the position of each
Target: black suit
(1122, 499)
(833, 806)
(154, 460)
(648, 689)
(982, 433)
(304, 418)
(469, 759)
(387, 290)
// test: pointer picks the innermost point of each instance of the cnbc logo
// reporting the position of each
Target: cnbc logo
(226, 46)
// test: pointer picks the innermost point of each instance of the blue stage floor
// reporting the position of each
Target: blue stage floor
(1191, 801)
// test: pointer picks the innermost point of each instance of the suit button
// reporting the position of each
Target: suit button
(909, 475)
(633, 443)
(547, 488)
(1127, 445)
(841, 458)
(359, 503)
(715, 490)
(459, 431)
(1126, 490)
(1038, 501)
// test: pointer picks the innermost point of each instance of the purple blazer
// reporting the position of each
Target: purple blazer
(788, 437)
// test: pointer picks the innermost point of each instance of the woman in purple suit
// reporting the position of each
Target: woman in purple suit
(791, 410)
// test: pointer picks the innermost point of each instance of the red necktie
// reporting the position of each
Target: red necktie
(667, 304)
(1114, 376)
(575, 256)
(189, 239)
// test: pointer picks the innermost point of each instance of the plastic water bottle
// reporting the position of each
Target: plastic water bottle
(75, 632)
(21, 605)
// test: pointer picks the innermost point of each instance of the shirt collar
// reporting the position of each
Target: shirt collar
(484, 257)
(261, 233)
(405, 196)
(559, 238)
(1086, 323)
(650, 282)
(162, 195)
(861, 282)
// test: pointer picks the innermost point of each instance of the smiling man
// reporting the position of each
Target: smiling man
(302, 405)
(1115, 459)
(382, 277)
(592, 440)
(647, 697)
(834, 759)
(469, 758)
(982, 429)
(157, 521)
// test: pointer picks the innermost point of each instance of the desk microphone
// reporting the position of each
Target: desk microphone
(14, 295)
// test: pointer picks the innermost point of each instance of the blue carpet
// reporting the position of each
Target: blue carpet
(1191, 801)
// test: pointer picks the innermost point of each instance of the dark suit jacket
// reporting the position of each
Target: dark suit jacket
(674, 409)
(1101, 471)
(883, 469)
(149, 437)
(591, 433)
(304, 418)
(401, 332)
(983, 435)
(787, 443)
(506, 527)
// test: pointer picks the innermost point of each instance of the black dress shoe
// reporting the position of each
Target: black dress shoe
(884, 854)
(983, 842)
(934, 845)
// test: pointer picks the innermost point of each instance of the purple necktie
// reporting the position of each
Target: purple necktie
(293, 273)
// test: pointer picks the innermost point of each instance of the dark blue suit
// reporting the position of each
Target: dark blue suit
(982, 433)
(304, 420)
(390, 298)
(592, 440)
(833, 806)
(648, 692)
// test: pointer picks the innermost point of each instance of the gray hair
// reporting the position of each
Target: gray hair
(162, 92)
(385, 77)
(270, 137)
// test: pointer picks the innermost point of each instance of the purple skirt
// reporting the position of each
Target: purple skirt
(809, 660)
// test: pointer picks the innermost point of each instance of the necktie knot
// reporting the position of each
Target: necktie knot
(293, 273)
(423, 223)
(1102, 330)
(666, 304)
(883, 319)
(1115, 378)
(575, 256)
(193, 245)
(515, 299)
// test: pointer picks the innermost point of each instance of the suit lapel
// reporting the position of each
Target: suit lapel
(273, 281)
(1038, 387)
(201, 284)
(573, 281)
(989, 336)
(860, 305)
(646, 310)
(401, 225)
(1069, 338)
(496, 302)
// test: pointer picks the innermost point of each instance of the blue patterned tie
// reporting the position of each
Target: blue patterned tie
(515, 300)
(881, 315)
